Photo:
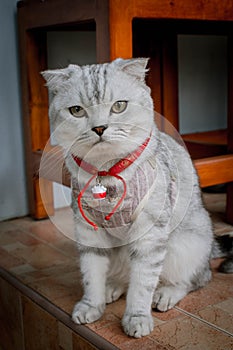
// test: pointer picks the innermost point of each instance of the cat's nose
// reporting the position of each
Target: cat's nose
(99, 130)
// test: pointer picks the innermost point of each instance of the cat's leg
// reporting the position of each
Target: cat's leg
(114, 291)
(186, 266)
(118, 275)
(94, 270)
(146, 265)
(168, 294)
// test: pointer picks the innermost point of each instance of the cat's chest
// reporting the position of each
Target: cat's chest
(135, 189)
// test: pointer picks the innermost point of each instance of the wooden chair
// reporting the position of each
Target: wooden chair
(123, 29)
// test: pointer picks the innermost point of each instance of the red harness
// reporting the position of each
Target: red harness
(113, 171)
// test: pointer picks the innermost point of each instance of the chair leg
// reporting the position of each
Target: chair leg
(229, 204)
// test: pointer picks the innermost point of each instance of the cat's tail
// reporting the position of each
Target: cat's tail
(223, 248)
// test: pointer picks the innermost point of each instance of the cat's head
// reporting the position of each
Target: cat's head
(102, 107)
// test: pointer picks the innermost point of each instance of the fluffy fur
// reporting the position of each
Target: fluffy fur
(163, 253)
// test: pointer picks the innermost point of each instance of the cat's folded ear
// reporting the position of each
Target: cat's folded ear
(135, 67)
(56, 77)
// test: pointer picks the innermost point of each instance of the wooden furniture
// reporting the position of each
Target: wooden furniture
(123, 29)
(35, 19)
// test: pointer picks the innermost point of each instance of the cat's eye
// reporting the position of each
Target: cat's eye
(119, 106)
(77, 111)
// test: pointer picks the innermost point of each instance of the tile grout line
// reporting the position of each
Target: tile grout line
(203, 321)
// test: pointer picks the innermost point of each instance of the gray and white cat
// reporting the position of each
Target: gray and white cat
(156, 250)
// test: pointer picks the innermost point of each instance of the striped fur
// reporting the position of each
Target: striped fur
(163, 253)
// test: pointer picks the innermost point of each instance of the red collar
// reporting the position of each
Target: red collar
(116, 168)
(113, 171)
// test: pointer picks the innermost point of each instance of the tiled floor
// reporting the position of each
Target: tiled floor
(45, 261)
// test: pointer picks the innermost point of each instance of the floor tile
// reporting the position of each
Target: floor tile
(65, 269)
(223, 283)
(28, 239)
(23, 222)
(67, 247)
(9, 236)
(46, 260)
(46, 231)
(13, 246)
(7, 226)
(226, 305)
(13, 235)
(190, 334)
(114, 334)
(67, 301)
(106, 320)
(117, 308)
(168, 315)
(220, 315)
(197, 300)
(22, 269)
(47, 288)
(8, 261)
(39, 256)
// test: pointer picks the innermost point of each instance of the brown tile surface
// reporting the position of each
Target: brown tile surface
(22, 269)
(39, 256)
(46, 261)
(189, 333)
(221, 315)
(11, 236)
(222, 283)
(200, 299)
(166, 316)
(8, 261)
(106, 320)
(67, 247)
(58, 286)
(46, 231)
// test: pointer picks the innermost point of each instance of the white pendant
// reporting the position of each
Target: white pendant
(99, 191)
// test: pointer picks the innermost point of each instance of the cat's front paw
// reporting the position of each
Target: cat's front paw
(166, 297)
(85, 313)
(113, 292)
(137, 325)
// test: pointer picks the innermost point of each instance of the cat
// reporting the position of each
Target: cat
(150, 235)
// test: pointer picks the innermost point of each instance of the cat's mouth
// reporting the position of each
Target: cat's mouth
(101, 140)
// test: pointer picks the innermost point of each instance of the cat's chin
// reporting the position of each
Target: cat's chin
(102, 143)
(107, 147)
(107, 150)
(115, 146)
(101, 147)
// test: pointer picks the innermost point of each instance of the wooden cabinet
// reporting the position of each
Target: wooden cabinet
(123, 29)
